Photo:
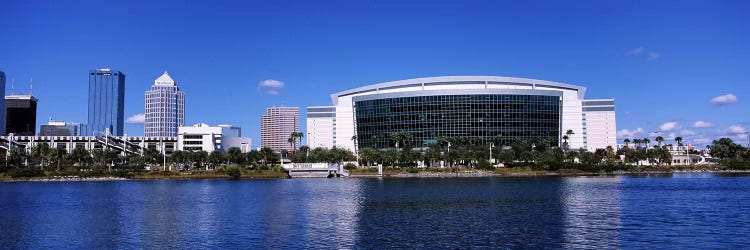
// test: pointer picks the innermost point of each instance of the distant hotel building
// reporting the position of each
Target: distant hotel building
(207, 138)
(320, 123)
(106, 102)
(599, 123)
(2, 103)
(277, 125)
(60, 128)
(486, 109)
(20, 115)
(165, 108)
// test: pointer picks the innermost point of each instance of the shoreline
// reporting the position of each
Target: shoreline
(463, 174)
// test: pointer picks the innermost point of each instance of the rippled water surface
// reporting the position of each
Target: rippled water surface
(683, 211)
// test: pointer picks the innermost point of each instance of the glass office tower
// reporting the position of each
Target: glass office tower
(106, 102)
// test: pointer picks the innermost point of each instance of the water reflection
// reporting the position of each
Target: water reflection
(592, 212)
(684, 211)
(461, 213)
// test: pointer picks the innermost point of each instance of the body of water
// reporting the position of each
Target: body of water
(651, 211)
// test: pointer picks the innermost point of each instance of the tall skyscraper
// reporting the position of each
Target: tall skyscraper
(106, 102)
(165, 108)
(2, 103)
(20, 114)
(277, 125)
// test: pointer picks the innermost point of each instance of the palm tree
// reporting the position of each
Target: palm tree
(637, 142)
(41, 152)
(291, 141)
(659, 139)
(646, 141)
(293, 138)
(627, 142)
(400, 138)
(679, 142)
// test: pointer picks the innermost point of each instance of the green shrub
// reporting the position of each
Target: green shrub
(123, 173)
(233, 172)
(25, 172)
(350, 166)
(485, 165)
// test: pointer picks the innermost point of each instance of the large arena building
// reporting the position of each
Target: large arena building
(479, 108)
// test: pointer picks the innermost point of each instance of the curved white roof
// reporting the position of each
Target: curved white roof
(460, 80)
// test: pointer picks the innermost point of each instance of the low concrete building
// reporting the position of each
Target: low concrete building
(207, 138)
(60, 128)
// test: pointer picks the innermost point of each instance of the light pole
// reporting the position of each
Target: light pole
(491, 146)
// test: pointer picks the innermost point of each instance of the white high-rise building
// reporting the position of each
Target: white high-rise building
(599, 130)
(277, 125)
(320, 124)
(165, 108)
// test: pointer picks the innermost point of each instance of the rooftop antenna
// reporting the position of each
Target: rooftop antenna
(12, 85)
(31, 86)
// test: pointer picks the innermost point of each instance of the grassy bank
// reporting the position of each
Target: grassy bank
(231, 172)
(534, 170)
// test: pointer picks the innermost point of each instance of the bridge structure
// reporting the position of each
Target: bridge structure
(122, 144)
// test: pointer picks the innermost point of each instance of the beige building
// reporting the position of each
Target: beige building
(277, 125)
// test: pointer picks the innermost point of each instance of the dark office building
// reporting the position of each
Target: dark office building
(20, 115)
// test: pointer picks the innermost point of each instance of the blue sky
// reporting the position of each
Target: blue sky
(663, 61)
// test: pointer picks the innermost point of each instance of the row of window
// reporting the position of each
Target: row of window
(475, 117)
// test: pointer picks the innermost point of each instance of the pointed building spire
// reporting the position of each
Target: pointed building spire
(164, 79)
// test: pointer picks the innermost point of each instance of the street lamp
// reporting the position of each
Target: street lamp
(492, 144)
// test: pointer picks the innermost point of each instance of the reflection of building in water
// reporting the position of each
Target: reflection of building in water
(593, 209)
(317, 213)
(337, 213)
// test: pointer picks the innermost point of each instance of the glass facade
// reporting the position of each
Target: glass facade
(106, 102)
(481, 117)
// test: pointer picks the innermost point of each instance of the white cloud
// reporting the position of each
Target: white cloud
(271, 86)
(669, 126)
(724, 99)
(736, 129)
(636, 51)
(671, 136)
(703, 124)
(650, 55)
(270, 83)
(686, 132)
(624, 133)
(136, 119)
(653, 56)
(701, 140)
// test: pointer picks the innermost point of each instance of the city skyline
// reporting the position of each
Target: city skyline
(681, 82)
